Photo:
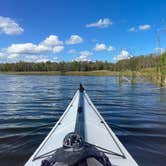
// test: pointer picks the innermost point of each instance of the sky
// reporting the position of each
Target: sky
(81, 30)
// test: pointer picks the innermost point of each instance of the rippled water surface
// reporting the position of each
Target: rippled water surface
(136, 113)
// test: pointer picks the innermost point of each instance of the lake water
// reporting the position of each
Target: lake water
(29, 102)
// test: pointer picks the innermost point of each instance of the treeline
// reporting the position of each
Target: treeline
(54, 66)
(133, 64)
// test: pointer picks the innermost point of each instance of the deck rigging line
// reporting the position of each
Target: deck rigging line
(79, 126)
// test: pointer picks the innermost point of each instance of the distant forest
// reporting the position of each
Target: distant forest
(133, 64)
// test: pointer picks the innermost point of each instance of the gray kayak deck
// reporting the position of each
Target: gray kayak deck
(96, 132)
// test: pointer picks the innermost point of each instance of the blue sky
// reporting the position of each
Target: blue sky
(56, 30)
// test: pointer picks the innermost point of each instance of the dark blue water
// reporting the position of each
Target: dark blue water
(29, 102)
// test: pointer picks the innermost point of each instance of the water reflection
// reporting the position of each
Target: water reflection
(27, 102)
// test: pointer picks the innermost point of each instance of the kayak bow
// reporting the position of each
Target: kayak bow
(81, 137)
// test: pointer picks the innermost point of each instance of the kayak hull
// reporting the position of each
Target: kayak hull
(96, 131)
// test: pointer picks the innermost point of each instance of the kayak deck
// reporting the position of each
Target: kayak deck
(96, 131)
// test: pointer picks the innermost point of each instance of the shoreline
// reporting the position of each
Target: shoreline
(73, 73)
(68, 73)
(147, 74)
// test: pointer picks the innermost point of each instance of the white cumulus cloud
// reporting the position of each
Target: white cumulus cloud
(11, 56)
(2, 55)
(52, 40)
(140, 28)
(58, 49)
(123, 55)
(32, 52)
(74, 39)
(26, 48)
(34, 58)
(9, 26)
(103, 47)
(144, 27)
(132, 29)
(26, 58)
(101, 23)
(84, 56)
(50, 44)
(100, 47)
(110, 48)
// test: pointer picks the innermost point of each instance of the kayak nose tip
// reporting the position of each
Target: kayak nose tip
(81, 88)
